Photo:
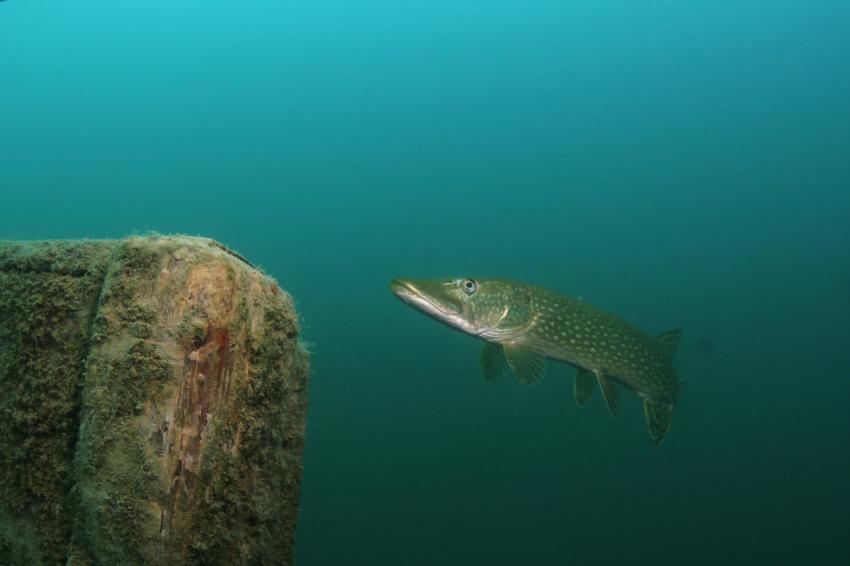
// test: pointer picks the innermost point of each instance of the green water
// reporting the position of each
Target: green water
(680, 164)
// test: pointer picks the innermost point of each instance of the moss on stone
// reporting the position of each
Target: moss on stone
(248, 465)
(156, 405)
(47, 295)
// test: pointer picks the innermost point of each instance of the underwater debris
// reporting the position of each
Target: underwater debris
(154, 404)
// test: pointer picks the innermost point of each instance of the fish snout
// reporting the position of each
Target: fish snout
(403, 288)
(430, 296)
(398, 285)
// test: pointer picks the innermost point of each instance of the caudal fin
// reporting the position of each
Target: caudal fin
(658, 419)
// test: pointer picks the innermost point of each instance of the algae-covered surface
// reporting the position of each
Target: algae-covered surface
(153, 409)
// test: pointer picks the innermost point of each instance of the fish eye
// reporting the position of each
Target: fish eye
(469, 286)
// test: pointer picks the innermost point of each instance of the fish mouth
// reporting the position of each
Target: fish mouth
(411, 293)
(433, 298)
(402, 288)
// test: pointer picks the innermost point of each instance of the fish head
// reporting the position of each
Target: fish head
(491, 309)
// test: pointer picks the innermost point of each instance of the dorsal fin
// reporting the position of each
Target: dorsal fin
(669, 341)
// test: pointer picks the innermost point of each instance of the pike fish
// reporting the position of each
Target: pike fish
(522, 325)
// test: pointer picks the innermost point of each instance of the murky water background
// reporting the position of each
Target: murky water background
(682, 165)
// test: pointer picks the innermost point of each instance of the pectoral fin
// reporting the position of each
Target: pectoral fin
(609, 391)
(526, 363)
(658, 419)
(492, 360)
(583, 386)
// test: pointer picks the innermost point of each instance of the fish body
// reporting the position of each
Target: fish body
(523, 324)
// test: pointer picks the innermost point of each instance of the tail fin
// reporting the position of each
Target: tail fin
(659, 416)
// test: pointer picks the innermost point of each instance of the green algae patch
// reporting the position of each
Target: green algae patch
(154, 404)
(47, 297)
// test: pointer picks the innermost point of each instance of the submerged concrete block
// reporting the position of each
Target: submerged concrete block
(153, 404)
